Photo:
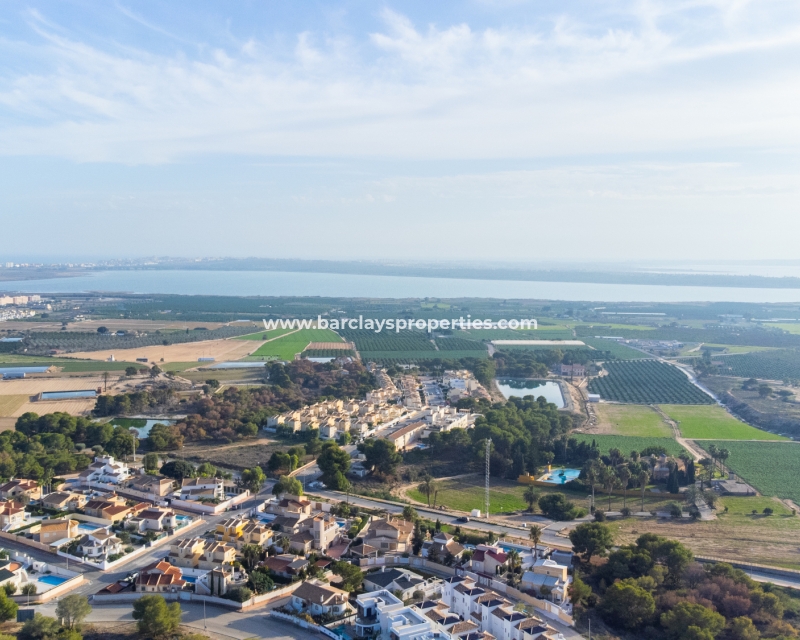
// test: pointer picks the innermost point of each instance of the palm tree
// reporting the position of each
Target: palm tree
(531, 496)
(591, 477)
(643, 478)
(723, 455)
(535, 536)
(624, 477)
(513, 560)
(713, 452)
(609, 480)
(428, 486)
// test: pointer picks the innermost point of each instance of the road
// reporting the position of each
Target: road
(219, 622)
(550, 527)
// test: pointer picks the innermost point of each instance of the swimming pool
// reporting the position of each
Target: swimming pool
(53, 581)
(560, 476)
(65, 395)
(340, 631)
(88, 527)
(190, 579)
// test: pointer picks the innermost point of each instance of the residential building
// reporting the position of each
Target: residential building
(112, 508)
(286, 565)
(98, 545)
(301, 542)
(106, 470)
(12, 515)
(440, 546)
(64, 501)
(186, 553)
(390, 534)
(405, 436)
(487, 559)
(401, 581)
(318, 598)
(51, 531)
(217, 554)
(325, 531)
(202, 489)
(20, 489)
(12, 573)
(160, 577)
(230, 529)
(548, 579)
(158, 519)
(572, 370)
(157, 486)
(369, 607)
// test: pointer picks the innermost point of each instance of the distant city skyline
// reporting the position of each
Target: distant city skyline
(500, 131)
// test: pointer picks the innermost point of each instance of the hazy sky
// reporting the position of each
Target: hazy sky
(485, 129)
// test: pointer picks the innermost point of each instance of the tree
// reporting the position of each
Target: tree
(334, 462)
(382, 455)
(151, 461)
(8, 608)
(287, 484)
(643, 477)
(29, 589)
(155, 618)
(678, 620)
(206, 470)
(591, 538)
(609, 481)
(251, 554)
(260, 581)
(178, 469)
(154, 371)
(627, 605)
(764, 390)
(239, 594)
(624, 474)
(71, 610)
(579, 592)
(102, 330)
(253, 479)
(410, 514)
(39, 628)
(531, 496)
(351, 575)
(428, 487)
(535, 535)
(417, 539)
(742, 628)
(131, 371)
(557, 507)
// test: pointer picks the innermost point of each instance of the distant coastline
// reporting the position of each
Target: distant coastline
(455, 272)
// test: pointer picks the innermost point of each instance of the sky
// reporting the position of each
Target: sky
(480, 130)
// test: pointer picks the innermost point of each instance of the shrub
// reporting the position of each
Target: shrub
(239, 594)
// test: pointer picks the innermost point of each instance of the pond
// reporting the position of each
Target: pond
(521, 387)
(141, 425)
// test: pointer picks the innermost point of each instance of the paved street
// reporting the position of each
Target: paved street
(219, 622)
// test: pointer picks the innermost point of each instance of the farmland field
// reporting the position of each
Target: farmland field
(780, 364)
(626, 444)
(400, 357)
(713, 422)
(619, 351)
(405, 341)
(328, 353)
(542, 333)
(771, 467)
(265, 335)
(9, 404)
(287, 346)
(632, 420)
(647, 382)
(459, 344)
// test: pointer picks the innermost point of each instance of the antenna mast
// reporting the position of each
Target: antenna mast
(488, 451)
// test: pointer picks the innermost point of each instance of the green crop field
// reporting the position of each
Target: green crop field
(401, 357)
(647, 382)
(80, 366)
(626, 444)
(778, 364)
(633, 420)
(287, 346)
(789, 327)
(459, 344)
(404, 342)
(771, 467)
(328, 353)
(744, 506)
(542, 333)
(266, 334)
(712, 422)
(619, 351)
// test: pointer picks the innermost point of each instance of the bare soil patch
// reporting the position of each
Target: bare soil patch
(220, 350)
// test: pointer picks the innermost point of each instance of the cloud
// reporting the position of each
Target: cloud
(631, 77)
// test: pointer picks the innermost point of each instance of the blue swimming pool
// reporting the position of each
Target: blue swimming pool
(560, 476)
(52, 580)
(88, 527)
(65, 395)
(190, 579)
